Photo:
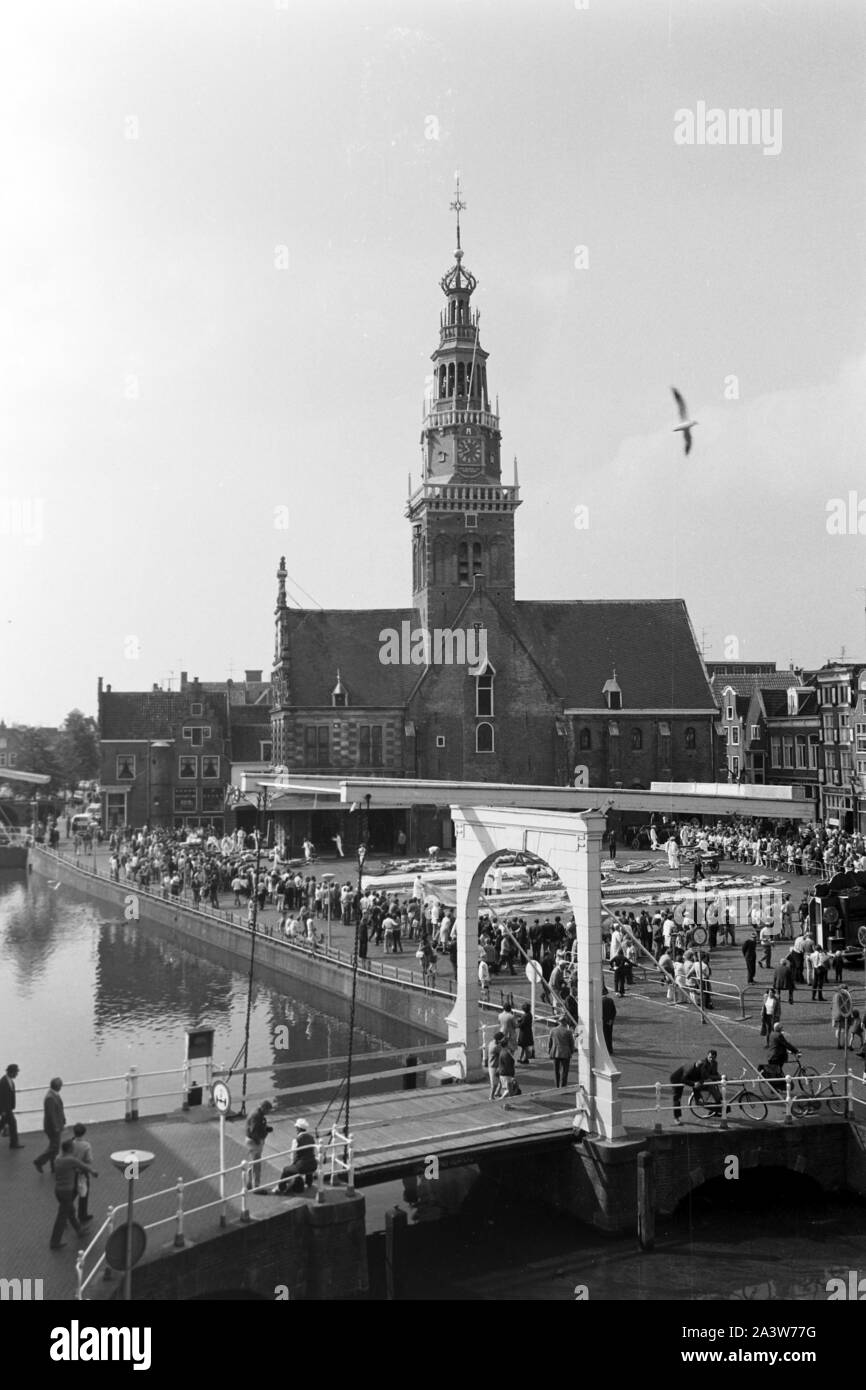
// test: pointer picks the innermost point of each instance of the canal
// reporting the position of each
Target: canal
(86, 994)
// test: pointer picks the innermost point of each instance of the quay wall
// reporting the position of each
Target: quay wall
(227, 943)
(308, 1252)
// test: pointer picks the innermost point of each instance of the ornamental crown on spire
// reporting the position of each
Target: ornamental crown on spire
(458, 277)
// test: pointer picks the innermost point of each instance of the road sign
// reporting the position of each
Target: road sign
(861, 935)
(845, 1004)
(533, 970)
(115, 1246)
(221, 1096)
(699, 936)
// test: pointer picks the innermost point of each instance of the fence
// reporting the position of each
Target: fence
(804, 1095)
(327, 1156)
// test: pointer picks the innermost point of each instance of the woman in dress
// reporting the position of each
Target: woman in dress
(525, 1036)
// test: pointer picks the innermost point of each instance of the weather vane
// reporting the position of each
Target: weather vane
(458, 206)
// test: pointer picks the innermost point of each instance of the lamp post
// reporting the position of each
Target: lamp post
(261, 810)
(362, 855)
(131, 1163)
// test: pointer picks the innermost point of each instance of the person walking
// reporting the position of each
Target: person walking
(767, 946)
(7, 1104)
(840, 1012)
(770, 1013)
(483, 980)
(525, 1036)
(783, 978)
(608, 1014)
(66, 1171)
(53, 1124)
(508, 1025)
(81, 1150)
(820, 961)
(749, 949)
(507, 1080)
(560, 1046)
(258, 1130)
(494, 1047)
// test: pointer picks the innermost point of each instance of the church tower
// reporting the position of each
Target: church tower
(280, 682)
(462, 515)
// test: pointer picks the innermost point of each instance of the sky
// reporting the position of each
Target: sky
(223, 225)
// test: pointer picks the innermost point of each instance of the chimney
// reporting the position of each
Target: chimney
(99, 687)
(252, 677)
(108, 690)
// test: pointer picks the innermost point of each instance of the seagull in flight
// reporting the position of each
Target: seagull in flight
(686, 425)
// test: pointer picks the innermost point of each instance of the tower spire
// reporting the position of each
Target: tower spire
(458, 206)
(281, 584)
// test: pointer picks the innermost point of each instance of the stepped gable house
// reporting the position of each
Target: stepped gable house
(515, 690)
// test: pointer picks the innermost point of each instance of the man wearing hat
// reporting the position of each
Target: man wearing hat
(304, 1161)
(258, 1130)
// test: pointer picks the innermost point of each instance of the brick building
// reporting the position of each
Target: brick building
(468, 681)
(166, 754)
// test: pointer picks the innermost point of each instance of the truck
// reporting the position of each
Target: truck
(837, 914)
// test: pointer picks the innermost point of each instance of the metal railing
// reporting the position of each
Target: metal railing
(808, 1099)
(337, 1167)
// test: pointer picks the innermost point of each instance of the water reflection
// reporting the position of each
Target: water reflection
(84, 993)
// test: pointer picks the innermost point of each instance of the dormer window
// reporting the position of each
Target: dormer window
(612, 693)
(339, 695)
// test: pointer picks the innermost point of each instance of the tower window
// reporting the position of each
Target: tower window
(484, 738)
(484, 694)
(585, 739)
(476, 557)
(463, 563)
(636, 740)
(471, 519)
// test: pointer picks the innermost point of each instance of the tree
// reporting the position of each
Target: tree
(36, 751)
(78, 748)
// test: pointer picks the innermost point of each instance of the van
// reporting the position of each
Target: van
(83, 821)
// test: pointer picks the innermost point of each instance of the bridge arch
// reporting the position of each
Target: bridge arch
(571, 845)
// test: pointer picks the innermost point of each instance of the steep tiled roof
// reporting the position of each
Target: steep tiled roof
(577, 644)
(745, 685)
(648, 641)
(322, 640)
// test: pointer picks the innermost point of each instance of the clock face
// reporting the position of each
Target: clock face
(469, 455)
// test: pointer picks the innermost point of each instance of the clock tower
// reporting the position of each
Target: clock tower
(462, 515)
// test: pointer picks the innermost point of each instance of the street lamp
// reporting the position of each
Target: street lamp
(261, 809)
(131, 1163)
(362, 855)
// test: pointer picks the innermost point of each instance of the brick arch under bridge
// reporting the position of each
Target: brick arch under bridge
(571, 844)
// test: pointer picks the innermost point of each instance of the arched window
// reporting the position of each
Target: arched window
(690, 737)
(484, 693)
(452, 312)
(585, 739)
(463, 563)
(476, 557)
(461, 378)
(451, 378)
(636, 739)
(484, 738)
(443, 381)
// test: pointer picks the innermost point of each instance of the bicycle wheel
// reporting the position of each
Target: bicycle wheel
(751, 1105)
(700, 1108)
(835, 1103)
(805, 1079)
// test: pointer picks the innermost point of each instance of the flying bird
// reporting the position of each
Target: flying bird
(686, 425)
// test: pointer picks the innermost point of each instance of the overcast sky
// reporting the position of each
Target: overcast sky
(181, 401)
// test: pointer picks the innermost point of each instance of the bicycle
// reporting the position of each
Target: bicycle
(749, 1102)
(818, 1094)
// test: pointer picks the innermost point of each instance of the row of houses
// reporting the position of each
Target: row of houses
(800, 728)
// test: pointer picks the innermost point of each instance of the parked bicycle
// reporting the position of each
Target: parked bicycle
(745, 1100)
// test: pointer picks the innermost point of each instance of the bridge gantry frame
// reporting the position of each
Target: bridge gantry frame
(571, 845)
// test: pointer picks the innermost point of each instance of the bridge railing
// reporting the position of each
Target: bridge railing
(817, 1091)
(337, 1156)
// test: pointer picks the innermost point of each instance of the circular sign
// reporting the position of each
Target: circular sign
(831, 914)
(115, 1246)
(861, 935)
(533, 970)
(221, 1097)
(699, 936)
(845, 1004)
